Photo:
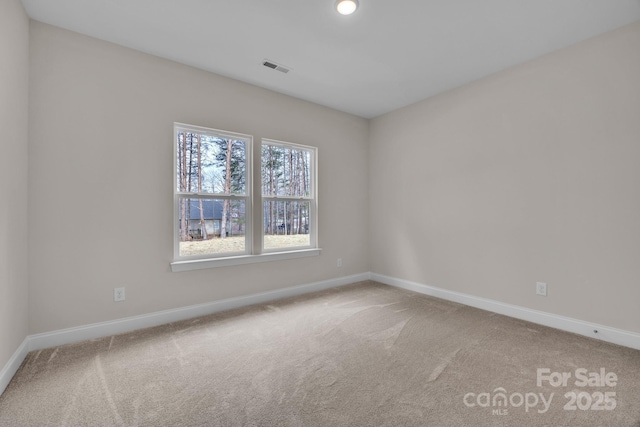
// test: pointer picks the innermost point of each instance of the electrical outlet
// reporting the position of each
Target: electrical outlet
(339, 263)
(541, 289)
(118, 294)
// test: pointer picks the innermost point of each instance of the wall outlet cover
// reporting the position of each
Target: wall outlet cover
(541, 289)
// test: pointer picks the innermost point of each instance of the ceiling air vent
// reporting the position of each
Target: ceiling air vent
(277, 67)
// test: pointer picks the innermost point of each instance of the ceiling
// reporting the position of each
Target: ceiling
(387, 55)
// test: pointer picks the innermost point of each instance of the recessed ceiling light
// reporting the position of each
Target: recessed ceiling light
(346, 7)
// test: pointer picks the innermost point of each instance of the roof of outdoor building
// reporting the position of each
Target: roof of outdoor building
(212, 209)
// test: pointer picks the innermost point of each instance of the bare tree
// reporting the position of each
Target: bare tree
(227, 187)
(203, 225)
(182, 178)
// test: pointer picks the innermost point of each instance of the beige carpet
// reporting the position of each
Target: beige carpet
(360, 355)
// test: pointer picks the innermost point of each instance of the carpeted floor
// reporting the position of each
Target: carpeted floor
(361, 355)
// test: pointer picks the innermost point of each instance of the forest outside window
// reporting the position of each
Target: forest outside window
(220, 220)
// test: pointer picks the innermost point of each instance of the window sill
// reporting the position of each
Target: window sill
(199, 264)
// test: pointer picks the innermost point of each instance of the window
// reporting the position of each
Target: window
(212, 193)
(217, 215)
(288, 195)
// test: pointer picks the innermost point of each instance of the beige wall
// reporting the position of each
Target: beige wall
(529, 175)
(14, 96)
(101, 212)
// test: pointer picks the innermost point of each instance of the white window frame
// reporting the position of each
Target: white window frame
(254, 253)
(247, 196)
(312, 199)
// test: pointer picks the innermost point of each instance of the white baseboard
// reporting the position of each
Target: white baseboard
(13, 364)
(580, 327)
(127, 324)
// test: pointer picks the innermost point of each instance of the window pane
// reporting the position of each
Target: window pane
(286, 224)
(211, 226)
(210, 164)
(286, 171)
